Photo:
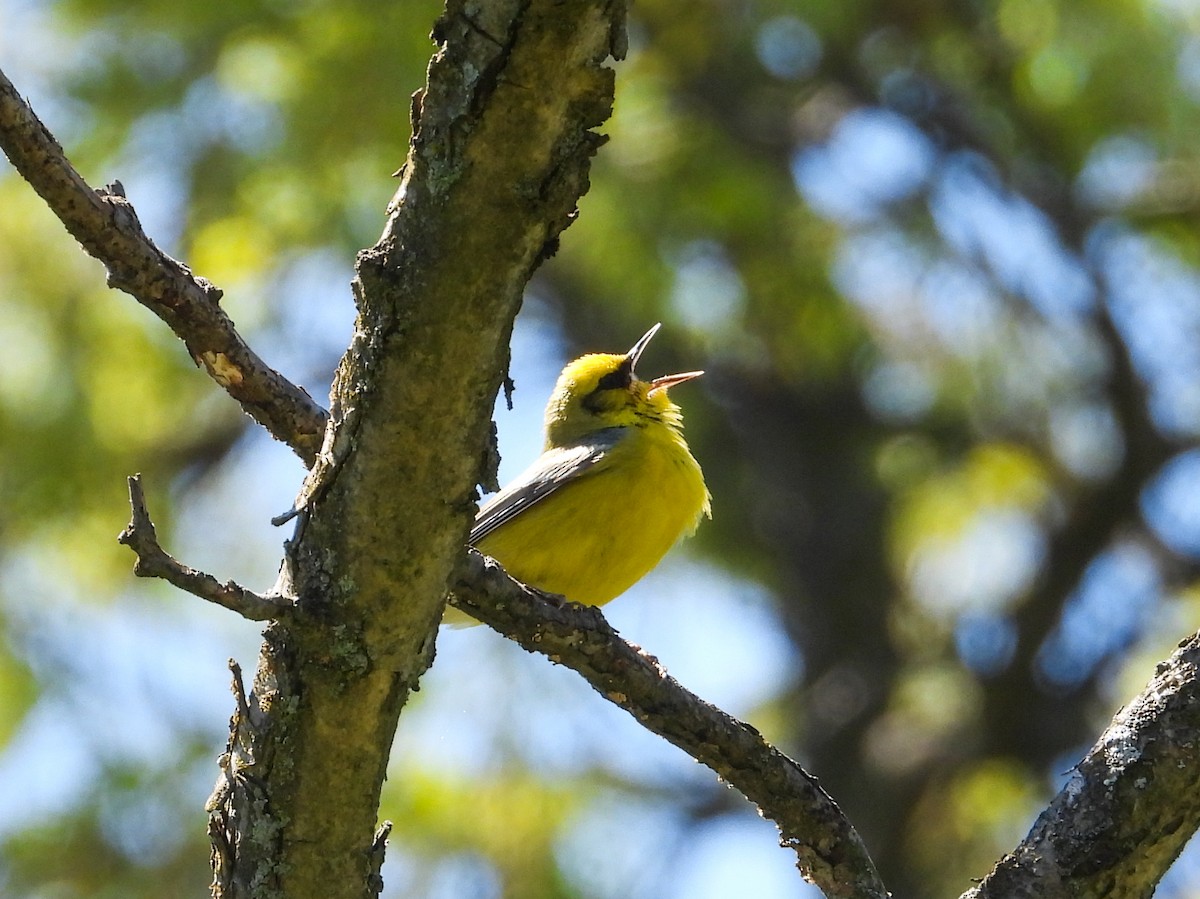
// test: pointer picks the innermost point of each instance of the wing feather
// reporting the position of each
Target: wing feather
(553, 469)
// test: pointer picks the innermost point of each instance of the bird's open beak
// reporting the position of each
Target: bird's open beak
(638, 348)
(668, 381)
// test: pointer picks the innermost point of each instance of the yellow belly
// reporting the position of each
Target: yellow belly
(596, 536)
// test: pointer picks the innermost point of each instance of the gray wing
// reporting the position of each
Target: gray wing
(552, 470)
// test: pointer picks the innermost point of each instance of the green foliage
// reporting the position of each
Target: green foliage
(893, 233)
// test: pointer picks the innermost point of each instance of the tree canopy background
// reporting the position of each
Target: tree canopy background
(939, 261)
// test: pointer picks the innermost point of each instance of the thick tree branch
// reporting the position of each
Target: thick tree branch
(502, 137)
(1129, 806)
(105, 223)
(829, 851)
(459, 152)
(153, 561)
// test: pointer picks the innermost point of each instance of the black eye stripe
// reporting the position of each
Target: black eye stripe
(614, 379)
(619, 377)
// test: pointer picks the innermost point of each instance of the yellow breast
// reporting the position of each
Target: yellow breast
(596, 536)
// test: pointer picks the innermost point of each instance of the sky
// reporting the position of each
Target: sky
(485, 702)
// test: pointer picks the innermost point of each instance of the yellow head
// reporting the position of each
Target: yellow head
(602, 390)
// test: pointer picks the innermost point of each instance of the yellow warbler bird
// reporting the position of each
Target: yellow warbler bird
(615, 487)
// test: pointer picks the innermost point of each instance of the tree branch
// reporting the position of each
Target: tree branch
(493, 175)
(1129, 806)
(503, 134)
(153, 561)
(829, 852)
(105, 223)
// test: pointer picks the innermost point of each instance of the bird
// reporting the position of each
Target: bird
(616, 485)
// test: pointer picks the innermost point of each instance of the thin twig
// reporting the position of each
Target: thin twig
(239, 692)
(829, 851)
(153, 561)
(105, 223)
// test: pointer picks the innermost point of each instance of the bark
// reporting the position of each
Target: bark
(107, 227)
(829, 852)
(1128, 808)
(495, 167)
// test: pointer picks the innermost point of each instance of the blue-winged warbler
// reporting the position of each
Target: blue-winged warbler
(615, 487)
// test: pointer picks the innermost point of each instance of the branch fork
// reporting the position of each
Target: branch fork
(153, 561)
